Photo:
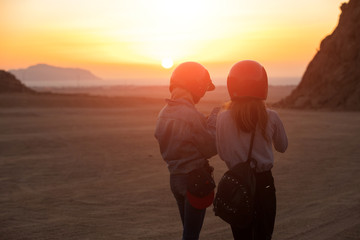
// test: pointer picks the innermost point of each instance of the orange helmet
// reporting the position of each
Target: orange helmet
(247, 79)
(193, 77)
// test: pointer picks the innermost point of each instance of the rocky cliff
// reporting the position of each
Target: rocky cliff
(332, 79)
(9, 84)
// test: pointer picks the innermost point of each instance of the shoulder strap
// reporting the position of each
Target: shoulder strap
(251, 146)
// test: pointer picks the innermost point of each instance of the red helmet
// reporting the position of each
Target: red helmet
(193, 77)
(247, 79)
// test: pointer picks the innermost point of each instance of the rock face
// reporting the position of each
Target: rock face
(47, 75)
(9, 84)
(332, 79)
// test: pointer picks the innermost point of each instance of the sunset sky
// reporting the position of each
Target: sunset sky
(129, 39)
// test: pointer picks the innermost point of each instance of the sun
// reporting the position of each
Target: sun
(167, 63)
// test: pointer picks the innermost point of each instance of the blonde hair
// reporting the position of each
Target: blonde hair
(248, 112)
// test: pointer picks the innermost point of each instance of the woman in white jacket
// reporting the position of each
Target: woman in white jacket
(246, 112)
(187, 140)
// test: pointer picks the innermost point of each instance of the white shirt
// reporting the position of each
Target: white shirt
(233, 146)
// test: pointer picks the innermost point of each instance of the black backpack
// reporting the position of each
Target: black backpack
(234, 199)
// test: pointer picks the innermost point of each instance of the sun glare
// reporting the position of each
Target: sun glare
(167, 63)
(149, 33)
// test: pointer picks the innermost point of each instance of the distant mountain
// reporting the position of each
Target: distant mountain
(46, 75)
(332, 78)
(9, 84)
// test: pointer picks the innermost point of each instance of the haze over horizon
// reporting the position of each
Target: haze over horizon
(129, 39)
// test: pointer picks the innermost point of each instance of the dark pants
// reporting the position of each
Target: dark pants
(192, 218)
(265, 211)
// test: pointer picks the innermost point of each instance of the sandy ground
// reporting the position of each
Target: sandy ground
(82, 167)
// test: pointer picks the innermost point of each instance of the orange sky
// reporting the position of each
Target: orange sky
(128, 39)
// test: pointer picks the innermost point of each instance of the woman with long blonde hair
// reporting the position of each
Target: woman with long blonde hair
(244, 115)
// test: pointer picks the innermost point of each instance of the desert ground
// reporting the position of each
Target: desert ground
(85, 167)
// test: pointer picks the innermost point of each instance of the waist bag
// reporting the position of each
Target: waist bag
(234, 199)
(200, 187)
(201, 181)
